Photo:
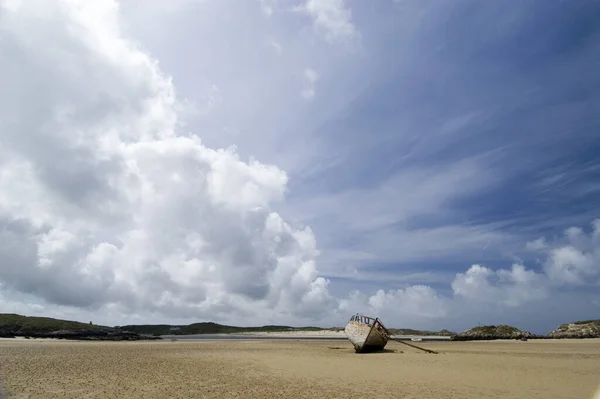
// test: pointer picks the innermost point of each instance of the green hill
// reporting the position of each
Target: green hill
(14, 324)
(577, 329)
(18, 324)
(492, 332)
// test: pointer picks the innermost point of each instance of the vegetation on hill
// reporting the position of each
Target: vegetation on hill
(577, 329)
(14, 325)
(492, 332)
(595, 322)
(18, 323)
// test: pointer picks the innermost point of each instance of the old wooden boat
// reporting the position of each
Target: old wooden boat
(367, 334)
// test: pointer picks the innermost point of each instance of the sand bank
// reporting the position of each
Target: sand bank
(304, 369)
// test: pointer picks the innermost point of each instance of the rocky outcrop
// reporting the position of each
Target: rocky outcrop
(7, 331)
(578, 329)
(492, 332)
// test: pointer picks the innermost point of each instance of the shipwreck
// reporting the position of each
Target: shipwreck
(367, 334)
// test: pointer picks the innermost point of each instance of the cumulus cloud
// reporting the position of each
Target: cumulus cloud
(418, 300)
(497, 294)
(577, 259)
(331, 18)
(502, 287)
(106, 205)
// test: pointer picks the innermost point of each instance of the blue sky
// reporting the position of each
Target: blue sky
(510, 89)
(427, 145)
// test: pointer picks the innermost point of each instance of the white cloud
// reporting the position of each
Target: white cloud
(105, 205)
(417, 304)
(577, 259)
(511, 288)
(267, 7)
(276, 46)
(537, 244)
(330, 17)
(310, 79)
(493, 295)
(479, 291)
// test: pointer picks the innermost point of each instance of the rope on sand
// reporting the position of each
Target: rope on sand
(414, 346)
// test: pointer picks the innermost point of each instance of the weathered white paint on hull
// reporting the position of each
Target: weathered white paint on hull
(364, 338)
(357, 333)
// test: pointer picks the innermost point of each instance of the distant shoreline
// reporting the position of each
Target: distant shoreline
(15, 325)
(324, 335)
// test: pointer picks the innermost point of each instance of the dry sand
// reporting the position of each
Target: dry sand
(298, 369)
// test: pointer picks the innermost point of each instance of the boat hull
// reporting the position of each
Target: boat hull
(365, 338)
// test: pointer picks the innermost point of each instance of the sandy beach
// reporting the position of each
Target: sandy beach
(298, 369)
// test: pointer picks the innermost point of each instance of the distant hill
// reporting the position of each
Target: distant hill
(27, 324)
(207, 328)
(15, 325)
(19, 325)
(214, 328)
(492, 332)
(577, 329)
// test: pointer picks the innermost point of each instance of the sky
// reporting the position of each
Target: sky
(431, 163)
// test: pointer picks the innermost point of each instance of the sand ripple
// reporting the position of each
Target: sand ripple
(243, 369)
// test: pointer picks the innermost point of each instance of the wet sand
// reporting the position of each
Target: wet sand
(298, 369)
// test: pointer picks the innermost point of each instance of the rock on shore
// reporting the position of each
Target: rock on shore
(578, 329)
(492, 332)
